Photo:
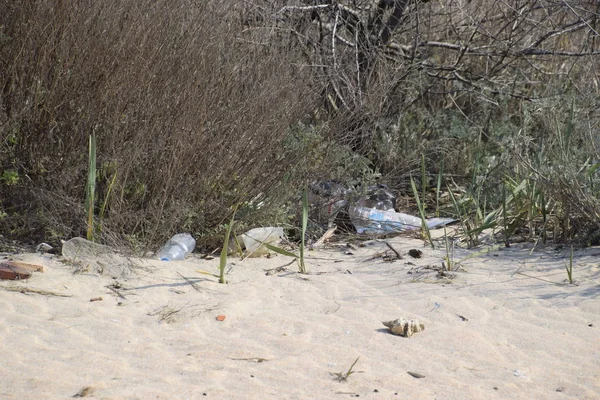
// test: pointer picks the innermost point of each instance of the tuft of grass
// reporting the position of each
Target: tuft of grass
(223, 255)
(473, 217)
(343, 376)
(300, 256)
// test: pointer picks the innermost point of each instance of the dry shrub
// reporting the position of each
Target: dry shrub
(394, 67)
(559, 150)
(197, 105)
(192, 112)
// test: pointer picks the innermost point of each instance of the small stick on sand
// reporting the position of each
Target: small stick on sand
(394, 250)
(116, 292)
(25, 290)
(253, 359)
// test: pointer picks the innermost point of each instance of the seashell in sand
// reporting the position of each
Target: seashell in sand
(404, 327)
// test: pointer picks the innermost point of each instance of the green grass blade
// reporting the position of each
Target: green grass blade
(479, 253)
(350, 370)
(304, 226)
(569, 129)
(462, 216)
(105, 203)
(448, 257)
(206, 273)
(279, 250)
(544, 217)
(223, 257)
(438, 189)
(570, 267)
(421, 212)
(423, 178)
(504, 216)
(91, 187)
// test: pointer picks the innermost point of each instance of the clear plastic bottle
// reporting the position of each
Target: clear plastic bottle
(177, 248)
(373, 220)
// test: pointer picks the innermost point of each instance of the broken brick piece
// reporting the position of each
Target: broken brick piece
(12, 272)
(18, 270)
(29, 267)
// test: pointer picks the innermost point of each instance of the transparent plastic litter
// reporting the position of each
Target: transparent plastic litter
(254, 238)
(373, 220)
(177, 248)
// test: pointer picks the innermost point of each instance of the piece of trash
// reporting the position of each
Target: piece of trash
(415, 374)
(375, 213)
(95, 299)
(367, 214)
(405, 327)
(436, 305)
(327, 235)
(372, 220)
(18, 270)
(45, 248)
(221, 317)
(254, 238)
(378, 196)
(177, 248)
(518, 373)
(463, 318)
(415, 253)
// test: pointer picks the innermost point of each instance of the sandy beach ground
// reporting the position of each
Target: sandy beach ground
(507, 325)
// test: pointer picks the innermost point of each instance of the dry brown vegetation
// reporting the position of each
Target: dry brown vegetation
(190, 116)
(199, 106)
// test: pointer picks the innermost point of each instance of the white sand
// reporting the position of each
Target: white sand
(528, 334)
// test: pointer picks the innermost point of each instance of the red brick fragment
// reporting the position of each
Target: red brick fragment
(18, 270)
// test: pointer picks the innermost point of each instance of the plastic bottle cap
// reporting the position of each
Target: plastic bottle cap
(165, 259)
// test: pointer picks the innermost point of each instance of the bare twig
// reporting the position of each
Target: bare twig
(394, 250)
(25, 290)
